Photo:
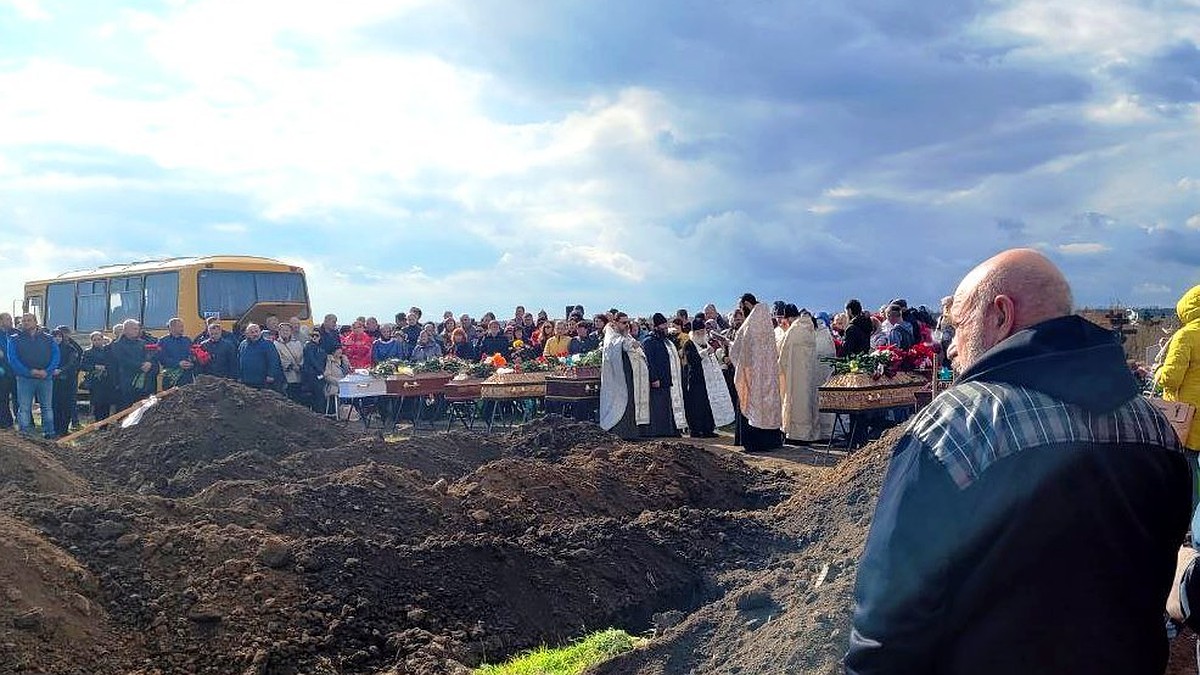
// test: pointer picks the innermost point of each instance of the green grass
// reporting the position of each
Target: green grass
(569, 660)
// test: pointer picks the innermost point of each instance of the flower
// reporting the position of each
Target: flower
(518, 344)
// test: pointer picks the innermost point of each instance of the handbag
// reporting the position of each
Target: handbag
(1178, 413)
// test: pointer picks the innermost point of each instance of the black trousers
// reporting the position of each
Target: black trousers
(63, 402)
(8, 388)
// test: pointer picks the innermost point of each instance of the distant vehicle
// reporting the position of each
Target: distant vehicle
(238, 290)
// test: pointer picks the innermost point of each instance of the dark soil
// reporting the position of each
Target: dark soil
(793, 616)
(231, 531)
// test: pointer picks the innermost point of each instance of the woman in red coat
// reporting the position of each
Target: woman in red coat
(357, 346)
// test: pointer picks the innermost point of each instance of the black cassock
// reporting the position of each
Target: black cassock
(696, 404)
(662, 415)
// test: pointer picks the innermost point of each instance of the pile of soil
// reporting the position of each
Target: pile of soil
(212, 429)
(233, 532)
(794, 616)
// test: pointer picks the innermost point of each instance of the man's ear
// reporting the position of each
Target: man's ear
(1006, 319)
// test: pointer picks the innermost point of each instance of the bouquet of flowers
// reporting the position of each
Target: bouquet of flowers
(391, 367)
(591, 359)
(883, 361)
(482, 370)
(539, 365)
(201, 355)
(444, 364)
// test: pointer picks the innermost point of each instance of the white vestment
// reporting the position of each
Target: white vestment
(676, 387)
(714, 382)
(798, 381)
(614, 395)
(825, 350)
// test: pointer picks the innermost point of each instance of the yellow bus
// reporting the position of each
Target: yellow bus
(236, 289)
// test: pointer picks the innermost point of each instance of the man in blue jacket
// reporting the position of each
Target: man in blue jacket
(258, 360)
(175, 356)
(1030, 517)
(8, 379)
(33, 356)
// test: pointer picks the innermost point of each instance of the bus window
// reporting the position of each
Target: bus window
(230, 294)
(125, 299)
(91, 306)
(60, 305)
(34, 306)
(162, 299)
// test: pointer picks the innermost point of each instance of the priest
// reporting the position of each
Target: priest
(798, 377)
(658, 360)
(706, 399)
(756, 377)
(624, 381)
(826, 352)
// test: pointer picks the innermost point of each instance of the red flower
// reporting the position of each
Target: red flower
(201, 355)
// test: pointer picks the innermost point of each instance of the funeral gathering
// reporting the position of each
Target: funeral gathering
(659, 375)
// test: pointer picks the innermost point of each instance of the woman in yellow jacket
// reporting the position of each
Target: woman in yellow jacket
(1179, 375)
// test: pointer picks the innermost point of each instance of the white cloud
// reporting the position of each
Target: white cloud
(1101, 31)
(1194, 221)
(1091, 248)
(229, 228)
(32, 10)
(1188, 184)
(1151, 288)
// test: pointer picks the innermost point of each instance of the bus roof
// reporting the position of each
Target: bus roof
(161, 265)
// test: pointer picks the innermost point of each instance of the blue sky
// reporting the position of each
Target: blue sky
(650, 155)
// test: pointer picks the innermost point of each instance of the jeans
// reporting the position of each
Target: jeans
(27, 389)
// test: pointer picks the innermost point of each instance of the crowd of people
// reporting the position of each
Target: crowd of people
(1042, 473)
(686, 356)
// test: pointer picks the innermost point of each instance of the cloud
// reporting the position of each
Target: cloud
(459, 152)
(1089, 248)
(30, 10)
(1151, 288)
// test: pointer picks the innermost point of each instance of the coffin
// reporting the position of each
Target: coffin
(514, 385)
(564, 387)
(464, 390)
(859, 391)
(420, 384)
(580, 373)
(361, 386)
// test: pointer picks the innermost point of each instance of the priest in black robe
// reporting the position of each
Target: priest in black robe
(662, 415)
(696, 403)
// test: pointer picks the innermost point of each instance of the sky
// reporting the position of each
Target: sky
(478, 154)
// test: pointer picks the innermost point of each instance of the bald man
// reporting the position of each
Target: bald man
(1030, 516)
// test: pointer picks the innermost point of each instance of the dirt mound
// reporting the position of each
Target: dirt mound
(793, 617)
(450, 456)
(620, 480)
(50, 614)
(552, 437)
(232, 532)
(206, 431)
(33, 466)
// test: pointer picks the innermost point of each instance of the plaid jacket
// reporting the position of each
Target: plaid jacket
(975, 424)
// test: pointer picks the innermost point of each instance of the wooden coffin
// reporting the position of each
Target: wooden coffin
(514, 385)
(859, 391)
(563, 387)
(464, 390)
(420, 384)
(580, 373)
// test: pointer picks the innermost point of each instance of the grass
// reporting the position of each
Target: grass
(570, 660)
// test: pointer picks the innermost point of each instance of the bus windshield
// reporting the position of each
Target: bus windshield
(229, 294)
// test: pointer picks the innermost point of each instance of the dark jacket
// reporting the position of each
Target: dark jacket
(312, 368)
(467, 351)
(70, 358)
(223, 357)
(584, 345)
(28, 352)
(657, 359)
(411, 333)
(495, 344)
(330, 339)
(128, 355)
(100, 383)
(1028, 522)
(858, 335)
(258, 360)
(172, 350)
